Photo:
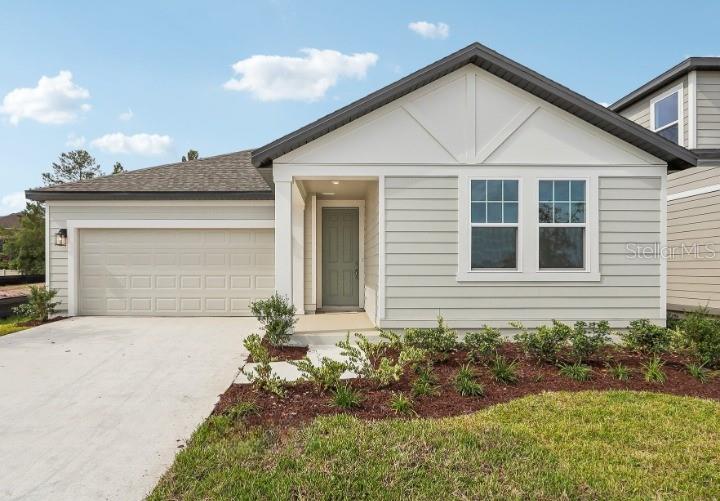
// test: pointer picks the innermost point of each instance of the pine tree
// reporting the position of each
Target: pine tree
(76, 165)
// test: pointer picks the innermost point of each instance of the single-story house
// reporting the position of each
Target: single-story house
(474, 188)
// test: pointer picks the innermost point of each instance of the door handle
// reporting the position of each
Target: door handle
(357, 272)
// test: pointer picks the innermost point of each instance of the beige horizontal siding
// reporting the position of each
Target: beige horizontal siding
(708, 109)
(422, 257)
(60, 214)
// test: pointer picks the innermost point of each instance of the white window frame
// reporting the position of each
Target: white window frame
(518, 225)
(679, 89)
(563, 225)
(528, 228)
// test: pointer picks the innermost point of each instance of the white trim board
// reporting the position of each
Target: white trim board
(680, 90)
(73, 249)
(692, 193)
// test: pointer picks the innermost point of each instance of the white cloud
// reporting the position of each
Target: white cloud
(307, 78)
(74, 141)
(55, 100)
(126, 116)
(430, 30)
(12, 202)
(138, 144)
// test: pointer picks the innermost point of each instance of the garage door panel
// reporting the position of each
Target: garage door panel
(174, 272)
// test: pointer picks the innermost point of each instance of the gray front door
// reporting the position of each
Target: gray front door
(340, 257)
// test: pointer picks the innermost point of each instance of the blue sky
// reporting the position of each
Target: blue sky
(151, 79)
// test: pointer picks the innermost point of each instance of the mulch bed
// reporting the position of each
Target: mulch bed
(282, 353)
(302, 403)
(35, 323)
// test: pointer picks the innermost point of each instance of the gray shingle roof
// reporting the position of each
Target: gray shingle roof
(223, 176)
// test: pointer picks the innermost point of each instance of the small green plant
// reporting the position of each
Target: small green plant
(345, 397)
(386, 373)
(545, 343)
(466, 383)
(438, 341)
(426, 383)
(702, 335)
(401, 404)
(241, 410)
(277, 316)
(619, 371)
(391, 339)
(262, 375)
(698, 371)
(504, 370)
(363, 356)
(482, 344)
(411, 356)
(644, 336)
(325, 376)
(587, 339)
(577, 371)
(654, 372)
(39, 306)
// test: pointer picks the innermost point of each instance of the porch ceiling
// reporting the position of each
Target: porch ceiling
(344, 190)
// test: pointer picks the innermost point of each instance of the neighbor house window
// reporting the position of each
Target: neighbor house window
(666, 116)
(494, 224)
(562, 219)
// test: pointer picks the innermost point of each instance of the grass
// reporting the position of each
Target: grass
(10, 325)
(588, 445)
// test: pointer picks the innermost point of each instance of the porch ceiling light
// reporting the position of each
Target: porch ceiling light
(327, 194)
(335, 182)
(61, 238)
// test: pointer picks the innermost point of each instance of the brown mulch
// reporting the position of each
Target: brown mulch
(35, 323)
(302, 403)
(282, 353)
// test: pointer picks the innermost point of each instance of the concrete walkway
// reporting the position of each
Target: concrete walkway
(95, 408)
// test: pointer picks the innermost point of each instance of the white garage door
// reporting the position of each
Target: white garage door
(173, 272)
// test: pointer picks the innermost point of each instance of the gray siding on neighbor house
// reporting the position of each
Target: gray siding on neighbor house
(708, 109)
(640, 111)
(694, 236)
(198, 210)
(421, 262)
(371, 250)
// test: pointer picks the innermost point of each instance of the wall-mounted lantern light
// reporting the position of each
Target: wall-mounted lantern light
(61, 238)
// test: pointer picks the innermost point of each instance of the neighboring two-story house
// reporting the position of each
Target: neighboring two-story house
(683, 105)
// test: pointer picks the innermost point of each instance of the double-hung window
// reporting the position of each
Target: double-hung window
(494, 208)
(562, 220)
(665, 115)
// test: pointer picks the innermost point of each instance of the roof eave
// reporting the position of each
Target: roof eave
(49, 196)
(502, 67)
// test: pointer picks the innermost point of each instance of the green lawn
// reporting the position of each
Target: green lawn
(10, 325)
(573, 445)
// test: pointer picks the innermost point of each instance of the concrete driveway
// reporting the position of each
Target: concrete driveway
(96, 407)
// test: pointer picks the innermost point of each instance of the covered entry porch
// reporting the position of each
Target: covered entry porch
(329, 260)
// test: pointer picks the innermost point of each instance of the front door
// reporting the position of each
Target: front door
(340, 257)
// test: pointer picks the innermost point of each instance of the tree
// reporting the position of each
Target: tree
(191, 155)
(24, 247)
(76, 165)
(118, 168)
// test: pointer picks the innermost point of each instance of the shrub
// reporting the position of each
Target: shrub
(619, 372)
(699, 372)
(367, 361)
(262, 376)
(482, 344)
(325, 376)
(643, 335)
(391, 340)
(654, 371)
(587, 339)
(386, 373)
(426, 383)
(346, 397)
(438, 341)
(40, 304)
(466, 383)
(401, 404)
(411, 356)
(277, 316)
(503, 370)
(577, 371)
(544, 343)
(702, 333)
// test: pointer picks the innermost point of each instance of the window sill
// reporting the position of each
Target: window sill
(517, 276)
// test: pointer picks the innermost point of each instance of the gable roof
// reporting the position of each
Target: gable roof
(230, 176)
(677, 71)
(502, 67)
